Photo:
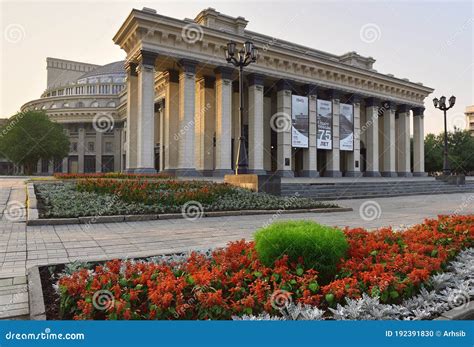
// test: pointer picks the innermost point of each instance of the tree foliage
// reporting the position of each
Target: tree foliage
(30, 136)
(460, 152)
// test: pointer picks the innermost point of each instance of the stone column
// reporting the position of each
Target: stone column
(282, 125)
(161, 112)
(132, 95)
(235, 120)
(98, 151)
(267, 131)
(187, 111)
(118, 131)
(403, 139)
(81, 143)
(353, 157)
(171, 122)
(334, 161)
(310, 162)
(65, 165)
(205, 125)
(389, 169)
(371, 129)
(146, 113)
(418, 142)
(223, 121)
(256, 126)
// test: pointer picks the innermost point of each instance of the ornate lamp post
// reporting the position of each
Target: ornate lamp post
(246, 55)
(441, 104)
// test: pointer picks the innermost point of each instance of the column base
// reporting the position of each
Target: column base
(205, 173)
(222, 172)
(285, 173)
(257, 172)
(389, 174)
(191, 172)
(309, 173)
(372, 174)
(353, 174)
(332, 173)
(405, 174)
(420, 174)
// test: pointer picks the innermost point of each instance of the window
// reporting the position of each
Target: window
(95, 104)
(54, 106)
(111, 104)
(66, 105)
(80, 104)
(90, 146)
(108, 147)
(73, 146)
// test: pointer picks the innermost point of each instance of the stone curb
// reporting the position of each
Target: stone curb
(165, 216)
(35, 295)
(32, 215)
(465, 313)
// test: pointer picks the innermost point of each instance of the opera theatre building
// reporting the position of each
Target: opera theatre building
(173, 106)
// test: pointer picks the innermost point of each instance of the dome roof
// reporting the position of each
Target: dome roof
(116, 68)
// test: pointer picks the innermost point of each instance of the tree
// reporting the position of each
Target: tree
(460, 151)
(30, 136)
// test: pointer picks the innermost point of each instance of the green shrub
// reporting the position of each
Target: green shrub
(320, 247)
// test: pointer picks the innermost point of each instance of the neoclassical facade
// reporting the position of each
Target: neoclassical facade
(182, 102)
(174, 103)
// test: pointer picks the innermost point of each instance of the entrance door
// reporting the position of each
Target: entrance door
(73, 165)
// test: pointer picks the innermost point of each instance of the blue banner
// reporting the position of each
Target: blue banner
(239, 333)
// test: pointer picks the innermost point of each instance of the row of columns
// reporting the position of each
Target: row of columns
(193, 118)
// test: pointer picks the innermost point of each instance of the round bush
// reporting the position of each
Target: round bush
(321, 247)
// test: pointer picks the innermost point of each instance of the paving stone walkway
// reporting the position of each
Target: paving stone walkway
(23, 247)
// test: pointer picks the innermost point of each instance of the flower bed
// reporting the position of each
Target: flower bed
(391, 266)
(128, 197)
(119, 175)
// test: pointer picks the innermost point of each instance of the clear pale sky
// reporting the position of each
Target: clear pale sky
(425, 41)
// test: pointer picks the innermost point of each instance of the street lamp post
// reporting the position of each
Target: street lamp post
(247, 55)
(441, 104)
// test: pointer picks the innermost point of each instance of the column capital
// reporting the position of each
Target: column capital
(370, 102)
(284, 85)
(389, 105)
(131, 68)
(188, 66)
(159, 105)
(403, 109)
(310, 89)
(224, 72)
(147, 58)
(418, 111)
(255, 79)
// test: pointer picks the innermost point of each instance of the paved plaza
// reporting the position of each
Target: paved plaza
(22, 247)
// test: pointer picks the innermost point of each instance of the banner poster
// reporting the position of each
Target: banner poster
(299, 121)
(324, 123)
(346, 128)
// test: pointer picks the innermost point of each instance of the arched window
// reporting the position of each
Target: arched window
(111, 104)
(66, 105)
(43, 107)
(54, 106)
(94, 104)
(80, 104)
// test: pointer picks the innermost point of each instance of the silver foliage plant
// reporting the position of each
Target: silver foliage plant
(452, 289)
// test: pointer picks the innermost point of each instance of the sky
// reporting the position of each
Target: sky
(425, 41)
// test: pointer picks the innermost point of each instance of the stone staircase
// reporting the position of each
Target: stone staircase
(376, 188)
